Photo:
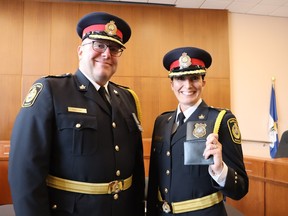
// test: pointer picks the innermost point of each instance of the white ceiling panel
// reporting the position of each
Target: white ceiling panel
(259, 7)
(281, 11)
(135, 1)
(217, 4)
(274, 2)
(263, 9)
(171, 2)
(240, 7)
(189, 3)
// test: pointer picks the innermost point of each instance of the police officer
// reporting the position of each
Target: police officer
(73, 151)
(196, 155)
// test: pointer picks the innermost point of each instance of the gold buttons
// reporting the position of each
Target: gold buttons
(78, 125)
(54, 206)
(117, 148)
(118, 173)
(168, 153)
(114, 125)
(115, 196)
(166, 190)
(167, 172)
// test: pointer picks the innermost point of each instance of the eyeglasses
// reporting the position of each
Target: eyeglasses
(101, 47)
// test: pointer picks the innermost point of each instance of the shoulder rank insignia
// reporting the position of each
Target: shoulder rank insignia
(82, 87)
(32, 95)
(234, 130)
(59, 76)
(201, 116)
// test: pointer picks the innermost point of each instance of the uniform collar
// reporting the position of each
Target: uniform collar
(187, 113)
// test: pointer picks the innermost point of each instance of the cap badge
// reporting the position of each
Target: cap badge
(184, 61)
(111, 28)
(199, 130)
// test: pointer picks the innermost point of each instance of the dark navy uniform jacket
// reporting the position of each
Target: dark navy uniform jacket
(178, 182)
(64, 129)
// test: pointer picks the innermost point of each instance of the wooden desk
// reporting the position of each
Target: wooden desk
(268, 187)
(5, 195)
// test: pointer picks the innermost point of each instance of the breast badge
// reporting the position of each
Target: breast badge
(199, 130)
(32, 95)
(234, 130)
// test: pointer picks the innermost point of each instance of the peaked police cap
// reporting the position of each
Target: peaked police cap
(101, 25)
(187, 60)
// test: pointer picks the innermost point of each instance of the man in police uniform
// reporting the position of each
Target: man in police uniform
(72, 153)
(182, 181)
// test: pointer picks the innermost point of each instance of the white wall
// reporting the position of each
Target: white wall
(258, 52)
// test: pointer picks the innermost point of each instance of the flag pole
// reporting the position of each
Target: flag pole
(273, 81)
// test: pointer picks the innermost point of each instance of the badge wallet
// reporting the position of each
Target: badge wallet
(193, 153)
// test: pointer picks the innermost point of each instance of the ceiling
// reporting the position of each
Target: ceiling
(277, 8)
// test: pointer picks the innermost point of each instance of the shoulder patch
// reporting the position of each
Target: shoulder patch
(234, 130)
(59, 76)
(32, 95)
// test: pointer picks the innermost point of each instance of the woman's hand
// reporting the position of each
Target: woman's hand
(214, 147)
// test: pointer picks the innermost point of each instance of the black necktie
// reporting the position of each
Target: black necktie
(103, 93)
(180, 118)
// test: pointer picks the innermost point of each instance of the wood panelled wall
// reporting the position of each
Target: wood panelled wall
(39, 38)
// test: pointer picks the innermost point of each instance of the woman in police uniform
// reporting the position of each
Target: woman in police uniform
(196, 156)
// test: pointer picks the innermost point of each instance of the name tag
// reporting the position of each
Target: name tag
(77, 110)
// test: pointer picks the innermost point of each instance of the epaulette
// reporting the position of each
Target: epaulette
(136, 99)
(231, 122)
(219, 108)
(121, 86)
(167, 112)
(58, 76)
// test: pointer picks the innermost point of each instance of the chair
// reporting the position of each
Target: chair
(7, 210)
(283, 146)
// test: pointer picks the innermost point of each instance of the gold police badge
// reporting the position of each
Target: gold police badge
(199, 130)
(184, 61)
(32, 95)
(111, 28)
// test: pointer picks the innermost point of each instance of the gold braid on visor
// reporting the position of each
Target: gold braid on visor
(198, 72)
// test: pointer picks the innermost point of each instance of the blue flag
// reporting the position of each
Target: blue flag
(273, 125)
